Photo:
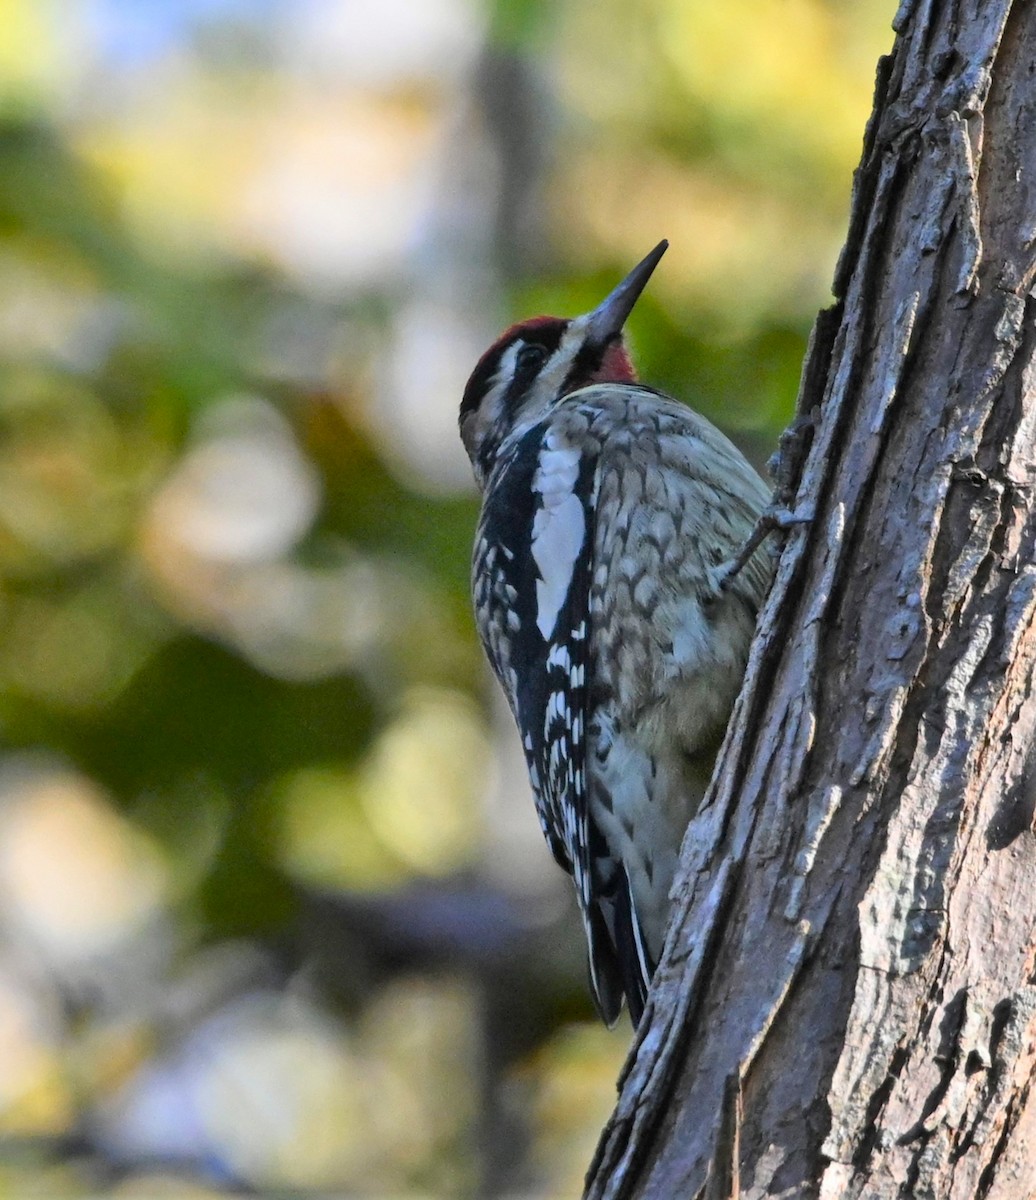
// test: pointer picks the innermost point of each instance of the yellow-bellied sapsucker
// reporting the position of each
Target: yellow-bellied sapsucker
(608, 512)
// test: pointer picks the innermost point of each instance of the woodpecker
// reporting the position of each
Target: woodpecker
(609, 511)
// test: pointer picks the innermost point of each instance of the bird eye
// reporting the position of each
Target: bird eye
(531, 357)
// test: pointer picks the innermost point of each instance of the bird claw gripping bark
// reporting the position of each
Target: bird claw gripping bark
(787, 461)
(773, 519)
(781, 514)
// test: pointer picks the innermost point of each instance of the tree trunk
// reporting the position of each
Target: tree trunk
(847, 1002)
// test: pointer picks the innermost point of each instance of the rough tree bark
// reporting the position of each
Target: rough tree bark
(847, 1003)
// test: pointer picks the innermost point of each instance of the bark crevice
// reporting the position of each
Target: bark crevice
(847, 955)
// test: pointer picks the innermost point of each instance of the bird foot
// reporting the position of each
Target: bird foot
(771, 519)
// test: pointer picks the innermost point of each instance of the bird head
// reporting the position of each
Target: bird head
(537, 362)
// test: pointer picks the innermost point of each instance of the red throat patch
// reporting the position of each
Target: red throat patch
(615, 367)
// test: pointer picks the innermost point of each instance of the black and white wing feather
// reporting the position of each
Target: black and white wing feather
(532, 572)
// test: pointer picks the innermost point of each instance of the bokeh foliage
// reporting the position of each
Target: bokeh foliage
(266, 848)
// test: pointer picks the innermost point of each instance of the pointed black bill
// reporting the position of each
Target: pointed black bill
(608, 318)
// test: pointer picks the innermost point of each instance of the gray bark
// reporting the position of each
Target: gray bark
(847, 1002)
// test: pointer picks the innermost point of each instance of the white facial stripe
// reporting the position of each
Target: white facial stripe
(494, 397)
(508, 362)
(558, 530)
(477, 425)
(552, 378)
(547, 385)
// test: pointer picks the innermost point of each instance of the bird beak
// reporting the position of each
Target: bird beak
(608, 318)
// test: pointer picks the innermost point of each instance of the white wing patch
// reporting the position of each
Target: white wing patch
(558, 529)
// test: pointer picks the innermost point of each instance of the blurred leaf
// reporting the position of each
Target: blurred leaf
(218, 208)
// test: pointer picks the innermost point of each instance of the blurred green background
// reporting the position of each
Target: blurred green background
(275, 913)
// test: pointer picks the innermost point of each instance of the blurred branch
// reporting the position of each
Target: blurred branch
(517, 120)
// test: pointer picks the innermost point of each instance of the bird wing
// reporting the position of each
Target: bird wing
(532, 575)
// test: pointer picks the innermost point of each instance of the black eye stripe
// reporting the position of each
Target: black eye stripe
(545, 333)
(528, 365)
(531, 357)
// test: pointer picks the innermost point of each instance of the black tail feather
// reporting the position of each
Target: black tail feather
(619, 963)
(606, 983)
(634, 962)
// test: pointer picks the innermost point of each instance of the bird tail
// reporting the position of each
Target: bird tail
(618, 958)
